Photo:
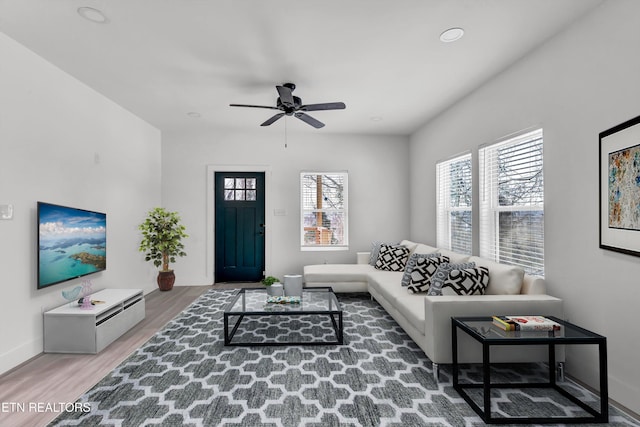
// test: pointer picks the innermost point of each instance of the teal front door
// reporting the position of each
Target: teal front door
(239, 226)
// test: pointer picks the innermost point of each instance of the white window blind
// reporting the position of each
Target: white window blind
(454, 204)
(512, 202)
(324, 219)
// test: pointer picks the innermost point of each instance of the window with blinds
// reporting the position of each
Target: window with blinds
(512, 202)
(324, 201)
(454, 204)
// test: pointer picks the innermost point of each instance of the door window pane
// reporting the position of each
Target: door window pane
(240, 189)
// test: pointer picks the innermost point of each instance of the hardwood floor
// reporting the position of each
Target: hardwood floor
(57, 379)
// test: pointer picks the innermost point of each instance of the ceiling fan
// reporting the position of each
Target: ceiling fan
(292, 106)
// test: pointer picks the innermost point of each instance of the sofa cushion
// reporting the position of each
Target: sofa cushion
(442, 273)
(468, 281)
(327, 273)
(411, 264)
(425, 249)
(387, 284)
(454, 257)
(409, 245)
(503, 279)
(392, 257)
(420, 278)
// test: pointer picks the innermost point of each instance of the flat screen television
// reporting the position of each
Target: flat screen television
(71, 243)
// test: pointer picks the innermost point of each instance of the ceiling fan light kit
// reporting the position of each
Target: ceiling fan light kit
(292, 106)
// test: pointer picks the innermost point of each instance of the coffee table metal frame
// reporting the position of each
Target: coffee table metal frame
(333, 310)
(479, 329)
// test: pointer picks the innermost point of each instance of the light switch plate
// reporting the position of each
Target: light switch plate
(6, 211)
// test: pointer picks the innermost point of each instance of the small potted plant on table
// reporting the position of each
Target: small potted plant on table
(274, 287)
(162, 235)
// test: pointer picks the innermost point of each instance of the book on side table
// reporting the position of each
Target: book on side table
(525, 323)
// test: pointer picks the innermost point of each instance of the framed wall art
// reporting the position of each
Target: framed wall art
(620, 188)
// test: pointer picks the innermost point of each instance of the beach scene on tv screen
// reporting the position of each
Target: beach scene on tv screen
(72, 243)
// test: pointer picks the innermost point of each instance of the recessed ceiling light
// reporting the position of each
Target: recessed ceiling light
(375, 118)
(92, 14)
(451, 35)
(194, 114)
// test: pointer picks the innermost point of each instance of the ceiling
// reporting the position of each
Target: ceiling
(164, 59)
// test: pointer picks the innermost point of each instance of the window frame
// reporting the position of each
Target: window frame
(491, 209)
(445, 208)
(344, 211)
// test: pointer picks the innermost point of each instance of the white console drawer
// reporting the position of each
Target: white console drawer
(70, 329)
(116, 326)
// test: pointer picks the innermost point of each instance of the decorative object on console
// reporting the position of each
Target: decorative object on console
(293, 285)
(620, 188)
(162, 235)
(87, 289)
(441, 275)
(71, 294)
(392, 257)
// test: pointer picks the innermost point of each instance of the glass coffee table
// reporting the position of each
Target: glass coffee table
(482, 330)
(249, 320)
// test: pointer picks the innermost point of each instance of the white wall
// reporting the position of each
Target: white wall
(378, 190)
(61, 142)
(580, 83)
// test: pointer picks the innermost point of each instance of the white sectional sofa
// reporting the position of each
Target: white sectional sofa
(427, 319)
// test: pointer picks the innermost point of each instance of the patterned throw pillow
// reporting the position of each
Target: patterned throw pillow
(411, 264)
(392, 257)
(441, 275)
(420, 278)
(470, 281)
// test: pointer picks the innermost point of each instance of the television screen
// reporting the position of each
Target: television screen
(71, 243)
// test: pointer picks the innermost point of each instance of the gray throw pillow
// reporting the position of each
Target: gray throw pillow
(375, 251)
(422, 273)
(411, 264)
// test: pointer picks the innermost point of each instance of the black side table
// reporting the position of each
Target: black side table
(482, 330)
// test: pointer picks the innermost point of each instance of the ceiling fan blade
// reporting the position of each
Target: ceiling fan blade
(325, 106)
(253, 106)
(272, 119)
(286, 97)
(310, 120)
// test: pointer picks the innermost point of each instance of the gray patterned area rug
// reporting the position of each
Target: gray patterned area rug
(185, 376)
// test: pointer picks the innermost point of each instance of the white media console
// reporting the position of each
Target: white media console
(72, 329)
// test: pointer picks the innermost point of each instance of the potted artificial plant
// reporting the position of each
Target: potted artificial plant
(162, 235)
(274, 287)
